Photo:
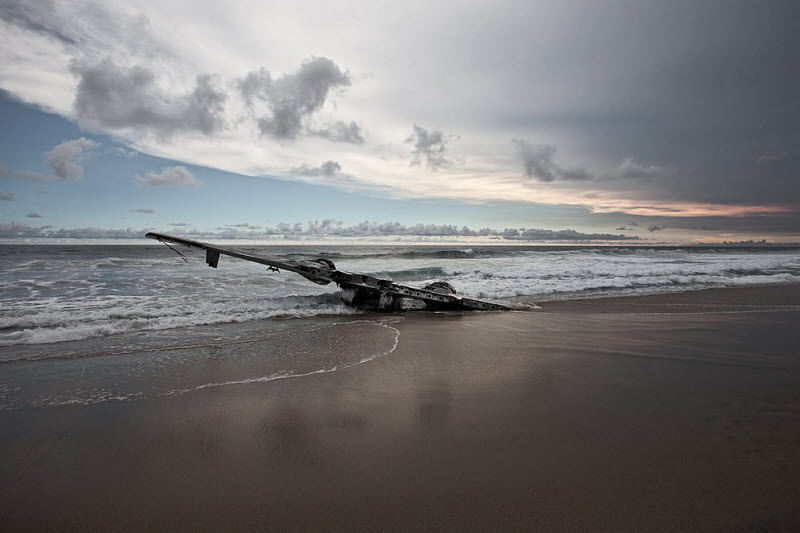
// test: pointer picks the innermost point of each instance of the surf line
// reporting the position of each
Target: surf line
(291, 375)
(136, 396)
(175, 347)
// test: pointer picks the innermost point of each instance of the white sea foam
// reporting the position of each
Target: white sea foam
(56, 294)
(57, 321)
(175, 370)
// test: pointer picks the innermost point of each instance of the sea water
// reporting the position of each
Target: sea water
(54, 293)
(82, 325)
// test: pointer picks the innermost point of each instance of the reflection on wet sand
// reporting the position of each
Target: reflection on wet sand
(553, 420)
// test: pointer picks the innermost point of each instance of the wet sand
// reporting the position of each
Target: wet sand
(677, 412)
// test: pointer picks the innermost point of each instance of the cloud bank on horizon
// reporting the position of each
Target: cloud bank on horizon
(326, 229)
(668, 110)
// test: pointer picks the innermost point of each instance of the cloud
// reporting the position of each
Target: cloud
(65, 159)
(148, 210)
(538, 161)
(768, 158)
(90, 27)
(328, 168)
(629, 168)
(430, 146)
(34, 215)
(2, 169)
(15, 230)
(244, 225)
(562, 235)
(327, 227)
(284, 106)
(623, 228)
(654, 227)
(113, 97)
(7, 196)
(28, 175)
(341, 132)
(123, 152)
(175, 175)
(659, 101)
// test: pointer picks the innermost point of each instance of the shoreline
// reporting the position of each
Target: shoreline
(574, 417)
(766, 296)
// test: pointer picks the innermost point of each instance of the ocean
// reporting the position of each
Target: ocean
(81, 325)
(53, 293)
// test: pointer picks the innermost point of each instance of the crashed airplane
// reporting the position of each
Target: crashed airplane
(357, 289)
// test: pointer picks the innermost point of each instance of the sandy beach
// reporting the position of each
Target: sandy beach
(659, 413)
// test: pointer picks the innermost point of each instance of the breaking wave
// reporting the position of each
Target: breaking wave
(57, 321)
(51, 294)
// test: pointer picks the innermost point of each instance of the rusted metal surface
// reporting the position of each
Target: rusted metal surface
(356, 288)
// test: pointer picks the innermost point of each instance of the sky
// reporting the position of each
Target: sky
(540, 121)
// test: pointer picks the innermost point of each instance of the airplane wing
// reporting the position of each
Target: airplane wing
(308, 269)
(356, 288)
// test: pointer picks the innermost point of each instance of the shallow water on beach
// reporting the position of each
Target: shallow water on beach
(57, 293)
(138, 366)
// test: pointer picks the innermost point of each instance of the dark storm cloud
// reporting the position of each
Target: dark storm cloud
(7, 196)
(65, 158)
(430, 147)
(34, 215)
(148, 210)
(655, 227)
(538, 162)
(328, 168)
(702, 95)
(283, 106)
(114, 97)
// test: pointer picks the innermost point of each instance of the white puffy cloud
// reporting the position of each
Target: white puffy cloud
(66, 158)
